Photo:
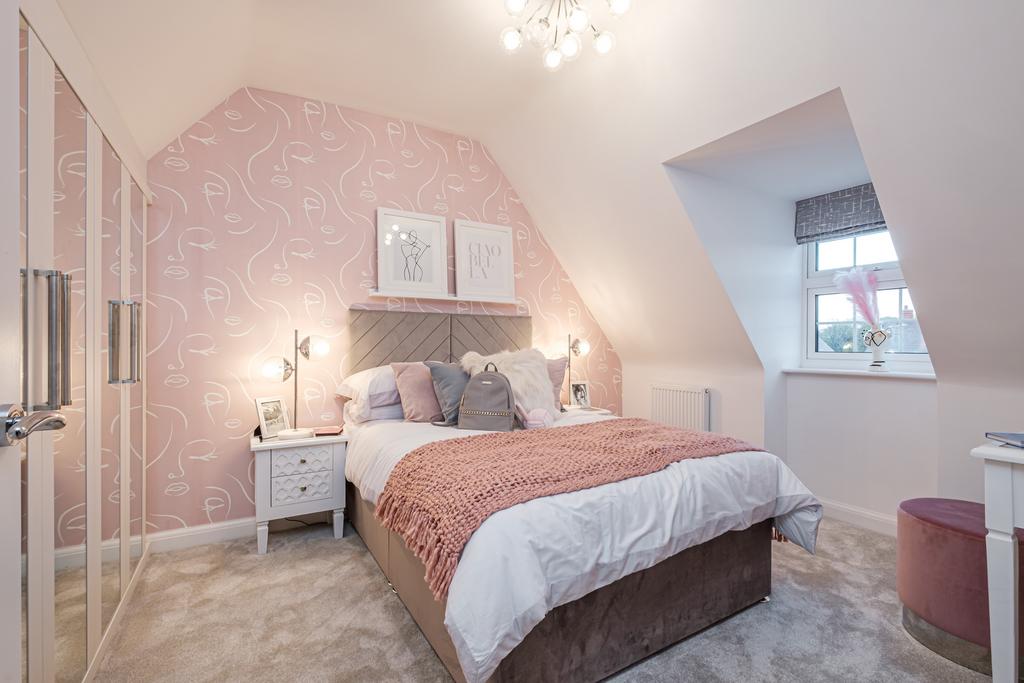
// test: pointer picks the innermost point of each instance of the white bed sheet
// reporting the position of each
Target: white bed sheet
(528, 559)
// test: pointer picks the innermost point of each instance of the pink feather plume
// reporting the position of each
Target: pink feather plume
(862, 288)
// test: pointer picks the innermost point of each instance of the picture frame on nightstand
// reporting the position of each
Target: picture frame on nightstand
(273, 416)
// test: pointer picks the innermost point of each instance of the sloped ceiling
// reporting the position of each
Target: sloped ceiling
(932, 88)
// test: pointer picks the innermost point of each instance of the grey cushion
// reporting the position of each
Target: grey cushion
(449, 384)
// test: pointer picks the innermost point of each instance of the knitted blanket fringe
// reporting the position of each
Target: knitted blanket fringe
(438, 495)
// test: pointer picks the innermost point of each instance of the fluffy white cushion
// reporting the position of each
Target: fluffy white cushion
(527, 372)
(373, 388)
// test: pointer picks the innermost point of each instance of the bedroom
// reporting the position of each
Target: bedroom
(649, 202)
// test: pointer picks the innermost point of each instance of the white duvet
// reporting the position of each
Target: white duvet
(528, 559)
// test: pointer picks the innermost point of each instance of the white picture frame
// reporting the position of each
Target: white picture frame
(485, 262)
(579, 394)
(273, 415)
(412, 254)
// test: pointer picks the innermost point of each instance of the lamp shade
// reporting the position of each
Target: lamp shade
(277, 369)
(314, 348)
(580, 347)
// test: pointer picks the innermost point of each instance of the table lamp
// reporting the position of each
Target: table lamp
(280, 369)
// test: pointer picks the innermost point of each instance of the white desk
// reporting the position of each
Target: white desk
(1004, 511)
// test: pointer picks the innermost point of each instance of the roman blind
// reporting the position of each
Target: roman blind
(843, 213)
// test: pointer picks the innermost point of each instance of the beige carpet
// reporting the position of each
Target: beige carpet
(317, 609)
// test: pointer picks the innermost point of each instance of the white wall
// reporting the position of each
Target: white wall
(864, 444)
(748, 237)
(737, 396)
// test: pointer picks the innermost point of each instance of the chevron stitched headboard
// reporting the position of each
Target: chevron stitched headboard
(382, 337)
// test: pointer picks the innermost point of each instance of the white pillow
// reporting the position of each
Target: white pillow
(373, 388)
(527, 372)
(392, 412)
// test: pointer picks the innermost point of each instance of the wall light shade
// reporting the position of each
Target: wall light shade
(580, 347)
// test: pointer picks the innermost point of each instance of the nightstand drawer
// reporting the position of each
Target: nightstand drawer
(301, 488)
(289, 461)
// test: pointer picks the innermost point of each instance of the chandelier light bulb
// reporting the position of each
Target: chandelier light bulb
(515, 7)
(604, 42)
(618, 7)
(511, 39)
(552, 59)
(570, 46)
(537, 32)
(579, 19)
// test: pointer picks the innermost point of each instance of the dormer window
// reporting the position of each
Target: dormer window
(843, 230)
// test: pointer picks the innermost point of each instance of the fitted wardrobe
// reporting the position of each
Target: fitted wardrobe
(79, 421)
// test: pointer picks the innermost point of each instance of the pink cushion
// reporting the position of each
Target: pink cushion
(556, 370)
(416, 390)
(940, 565)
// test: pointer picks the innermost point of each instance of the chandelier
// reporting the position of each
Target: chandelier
(558, 27)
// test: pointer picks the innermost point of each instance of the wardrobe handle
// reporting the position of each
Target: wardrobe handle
(113, 342)
(53, 338)
(65, 340)
(133, 340)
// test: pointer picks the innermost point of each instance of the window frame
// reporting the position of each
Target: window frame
(818, 282)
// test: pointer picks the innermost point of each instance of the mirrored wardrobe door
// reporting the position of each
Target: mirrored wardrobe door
(66, 356)
(110, 388)
(137, 249)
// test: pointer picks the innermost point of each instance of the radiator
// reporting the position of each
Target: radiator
(686, 407)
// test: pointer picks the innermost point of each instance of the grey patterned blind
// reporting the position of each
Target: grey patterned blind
(853, 211)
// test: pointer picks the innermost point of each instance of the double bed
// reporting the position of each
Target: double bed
(574, 586)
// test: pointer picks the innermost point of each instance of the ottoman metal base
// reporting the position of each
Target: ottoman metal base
(963, 652)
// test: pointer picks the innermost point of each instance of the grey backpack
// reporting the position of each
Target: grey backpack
(487, 403)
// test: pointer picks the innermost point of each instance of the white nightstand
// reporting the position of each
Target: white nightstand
(596, 411)
(299, 477)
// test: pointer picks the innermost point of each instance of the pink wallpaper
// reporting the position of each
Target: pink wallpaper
(264, 221)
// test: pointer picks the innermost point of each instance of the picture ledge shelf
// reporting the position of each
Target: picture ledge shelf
(377, 294)
(866, 374)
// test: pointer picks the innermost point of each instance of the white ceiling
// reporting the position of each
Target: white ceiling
(439, 63)
(928, 85)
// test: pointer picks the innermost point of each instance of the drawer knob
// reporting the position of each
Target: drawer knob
(303, 488)
(302, 461)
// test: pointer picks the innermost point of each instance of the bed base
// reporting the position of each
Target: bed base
(604, 631)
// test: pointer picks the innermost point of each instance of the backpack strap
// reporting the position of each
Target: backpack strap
(490, 365)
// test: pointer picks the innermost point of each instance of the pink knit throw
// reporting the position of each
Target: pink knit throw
(441, 493)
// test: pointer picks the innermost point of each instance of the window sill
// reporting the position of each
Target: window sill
(866, 374)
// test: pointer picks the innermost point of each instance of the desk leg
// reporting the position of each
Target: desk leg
(1001, 557)
(262, 530)
(1001, 552)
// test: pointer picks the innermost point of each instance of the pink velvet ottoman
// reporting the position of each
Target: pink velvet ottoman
(941, 578)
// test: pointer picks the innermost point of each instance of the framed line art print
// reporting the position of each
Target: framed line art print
(412, 254)
(484, 262)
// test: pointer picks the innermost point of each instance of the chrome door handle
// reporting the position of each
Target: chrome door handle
(135, 362)
(65, 340)
(113, 342)
(54, 318)
(17, 425)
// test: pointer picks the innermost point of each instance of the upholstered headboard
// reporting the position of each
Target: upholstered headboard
(382, 337)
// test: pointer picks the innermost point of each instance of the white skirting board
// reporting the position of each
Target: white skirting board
(186, 537)
(862, 517)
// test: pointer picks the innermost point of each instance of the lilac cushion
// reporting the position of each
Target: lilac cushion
(416, 390)
(556, 370)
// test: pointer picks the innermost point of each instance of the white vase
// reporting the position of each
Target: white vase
(877, 340)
